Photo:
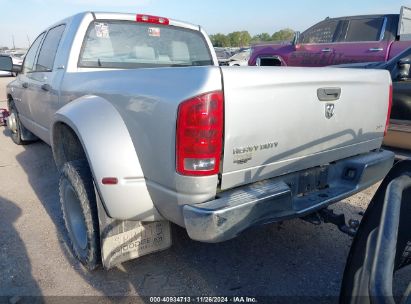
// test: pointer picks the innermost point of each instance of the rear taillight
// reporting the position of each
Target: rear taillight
(152, 19)
(387, 123)
(199, 139)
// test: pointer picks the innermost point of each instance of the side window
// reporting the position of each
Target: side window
(31, 55)
(48, 50)
(322, 32)
(367, 29)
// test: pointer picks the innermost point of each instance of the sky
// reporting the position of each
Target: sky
(25, 19)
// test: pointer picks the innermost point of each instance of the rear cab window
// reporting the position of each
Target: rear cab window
(128, 45)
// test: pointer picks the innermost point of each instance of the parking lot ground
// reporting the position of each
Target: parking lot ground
(292, 258)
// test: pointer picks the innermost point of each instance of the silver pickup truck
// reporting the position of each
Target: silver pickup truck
(147, 129)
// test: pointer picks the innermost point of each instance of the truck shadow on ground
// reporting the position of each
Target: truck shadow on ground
(16, 279)
(290, 258)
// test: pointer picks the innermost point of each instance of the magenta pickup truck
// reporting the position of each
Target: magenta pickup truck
(341, 40)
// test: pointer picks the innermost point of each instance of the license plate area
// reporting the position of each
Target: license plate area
(309, 181)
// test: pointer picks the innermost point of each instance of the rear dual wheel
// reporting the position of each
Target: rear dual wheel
(78, 204)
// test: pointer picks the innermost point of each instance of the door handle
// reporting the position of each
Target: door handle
(25, 85)
(328, 94)
(326, 50)
(376, 49)
(46, 87)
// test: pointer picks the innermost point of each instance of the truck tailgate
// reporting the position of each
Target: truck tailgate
(280, 119)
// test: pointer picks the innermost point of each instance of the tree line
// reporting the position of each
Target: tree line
(243, 38)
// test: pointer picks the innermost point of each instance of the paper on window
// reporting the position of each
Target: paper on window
(102, 30)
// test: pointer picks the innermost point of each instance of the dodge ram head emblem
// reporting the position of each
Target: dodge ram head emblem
(329, 110)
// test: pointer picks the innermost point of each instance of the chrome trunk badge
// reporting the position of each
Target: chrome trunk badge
(329, 110)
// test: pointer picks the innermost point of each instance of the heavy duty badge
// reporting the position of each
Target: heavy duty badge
(329, 110)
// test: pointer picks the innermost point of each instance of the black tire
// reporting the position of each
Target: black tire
(16, 136)
(78, 204)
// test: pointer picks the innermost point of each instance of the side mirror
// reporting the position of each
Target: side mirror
(6, 64)
(404, 65)
(296, 37)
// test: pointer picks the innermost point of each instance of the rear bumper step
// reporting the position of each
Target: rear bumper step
(276, 199)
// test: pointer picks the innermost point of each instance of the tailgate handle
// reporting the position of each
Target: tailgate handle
(328, 94)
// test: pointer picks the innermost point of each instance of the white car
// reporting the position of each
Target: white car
(18, 58)
(4, 73)
(240, 59)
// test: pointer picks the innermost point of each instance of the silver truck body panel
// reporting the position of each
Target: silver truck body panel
(276, 124)
(40, 116)
(107, 146)
(148, 110)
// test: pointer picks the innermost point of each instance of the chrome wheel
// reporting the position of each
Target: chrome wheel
(12, 122)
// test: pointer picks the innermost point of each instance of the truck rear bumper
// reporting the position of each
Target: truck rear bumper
(285, 197)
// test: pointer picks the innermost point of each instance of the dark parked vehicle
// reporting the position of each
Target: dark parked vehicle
(341, 40)
(382, 245)
(399, 131)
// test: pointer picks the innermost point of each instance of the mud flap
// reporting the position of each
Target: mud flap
(121, 241)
